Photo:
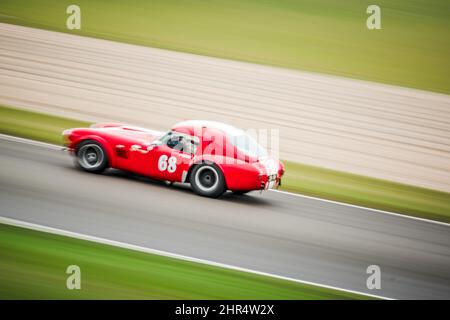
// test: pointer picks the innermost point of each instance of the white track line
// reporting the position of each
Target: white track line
(32, 142)
(55, 147)
(365, 208)
(32, 226)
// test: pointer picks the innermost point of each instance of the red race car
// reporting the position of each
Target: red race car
(211, 156)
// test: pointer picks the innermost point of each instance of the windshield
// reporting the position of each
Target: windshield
(248, 145)
(180, 141)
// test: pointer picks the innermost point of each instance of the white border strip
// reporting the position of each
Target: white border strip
(32, 142)
(55, 147)
(32, 226)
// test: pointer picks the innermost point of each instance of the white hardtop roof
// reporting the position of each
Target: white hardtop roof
(228, 129)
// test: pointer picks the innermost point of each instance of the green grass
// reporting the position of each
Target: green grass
(299, 178)
(33, 266)
(34, 125)
(326, 36)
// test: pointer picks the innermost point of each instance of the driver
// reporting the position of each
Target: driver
(182, 144)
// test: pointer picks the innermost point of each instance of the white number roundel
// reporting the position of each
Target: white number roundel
(169, 164)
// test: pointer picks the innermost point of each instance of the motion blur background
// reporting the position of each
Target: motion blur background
(411, 49)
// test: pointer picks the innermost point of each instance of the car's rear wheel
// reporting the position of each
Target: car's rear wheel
(91, 156)
(207, 180)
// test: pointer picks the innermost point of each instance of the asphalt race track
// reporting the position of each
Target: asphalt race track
(376, 130)
(272, 232)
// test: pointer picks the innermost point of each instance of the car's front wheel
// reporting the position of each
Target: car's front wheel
(207, 180)
(91, 156)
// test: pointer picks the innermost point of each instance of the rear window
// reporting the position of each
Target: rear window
(248, 145)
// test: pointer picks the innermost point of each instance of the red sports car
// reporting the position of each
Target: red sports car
(211, 156)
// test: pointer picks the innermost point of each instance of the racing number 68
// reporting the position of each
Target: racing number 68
(170, 165)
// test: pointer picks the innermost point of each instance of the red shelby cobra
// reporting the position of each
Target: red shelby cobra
(211, 156)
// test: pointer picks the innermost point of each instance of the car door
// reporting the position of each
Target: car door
(133, 155)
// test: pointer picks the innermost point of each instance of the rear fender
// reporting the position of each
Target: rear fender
(219, 161)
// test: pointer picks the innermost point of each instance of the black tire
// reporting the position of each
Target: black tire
(207, 180)
(91, 156)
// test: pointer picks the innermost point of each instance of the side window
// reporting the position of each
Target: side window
(181, 142)
(190, 145)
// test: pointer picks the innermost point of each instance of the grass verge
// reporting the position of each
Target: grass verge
(35, 125)
(326, 36)
(299, 178)
(33, 266)
(367, 192)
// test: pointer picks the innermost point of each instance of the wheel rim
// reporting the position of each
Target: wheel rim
(90, 156)
(207, 179)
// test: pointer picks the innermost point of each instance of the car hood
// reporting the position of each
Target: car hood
(135, 133)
